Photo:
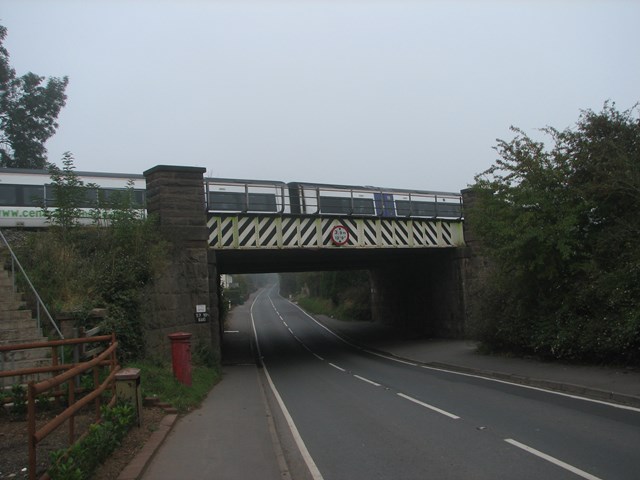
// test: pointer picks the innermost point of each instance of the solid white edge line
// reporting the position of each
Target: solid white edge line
(426, 405)
(311, 465)
(388, 357)
(551, 459)
(367, 380)
(336, 366)
(394, 359)
(531, 387)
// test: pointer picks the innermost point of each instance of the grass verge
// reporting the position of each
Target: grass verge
(157, 380)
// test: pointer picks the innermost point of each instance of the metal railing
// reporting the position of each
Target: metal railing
(40, 306)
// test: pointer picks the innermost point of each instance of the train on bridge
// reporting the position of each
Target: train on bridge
(24, 193)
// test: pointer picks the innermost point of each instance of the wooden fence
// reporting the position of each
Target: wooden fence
(69, 373)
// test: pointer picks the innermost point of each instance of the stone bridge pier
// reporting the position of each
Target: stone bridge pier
(422, 295)
(185, 297)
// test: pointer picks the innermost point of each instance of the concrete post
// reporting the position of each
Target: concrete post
(128, 390)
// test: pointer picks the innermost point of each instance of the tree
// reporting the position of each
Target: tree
(69, 194)
(29, 108)
(560, 227)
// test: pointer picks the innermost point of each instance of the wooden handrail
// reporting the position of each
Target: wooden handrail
(106, 358)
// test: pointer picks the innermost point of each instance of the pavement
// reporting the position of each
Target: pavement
(240, 434)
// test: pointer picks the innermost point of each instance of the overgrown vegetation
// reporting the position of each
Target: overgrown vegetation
(342, 294)
(560, 228)
(158, 381)
(83, 457)
(106, 266)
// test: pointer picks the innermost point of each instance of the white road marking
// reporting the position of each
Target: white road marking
(388, 357)
(311, 465)
(232, 331)
(551, 459)
(530, 387)
(367, 380)
(427, 367)
(336, 366)
(426, 405)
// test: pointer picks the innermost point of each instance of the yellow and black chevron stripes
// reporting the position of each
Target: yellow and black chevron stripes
(251, 231)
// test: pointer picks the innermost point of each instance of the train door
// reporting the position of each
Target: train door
(384, 204)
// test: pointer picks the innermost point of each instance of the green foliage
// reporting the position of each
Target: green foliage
(69, 194)
(560, 228)
(28, 112)
(18, 410)
(107, 266)
(81, 460)
(158, 381)
(343, 294)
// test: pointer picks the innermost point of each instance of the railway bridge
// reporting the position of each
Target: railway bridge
(417, 265)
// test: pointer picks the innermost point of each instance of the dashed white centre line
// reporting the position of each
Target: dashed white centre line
(426, 405)
(367, 380)
(551, 459)
(336, 366)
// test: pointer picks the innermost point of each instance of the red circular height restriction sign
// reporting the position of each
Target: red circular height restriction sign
(339, 235)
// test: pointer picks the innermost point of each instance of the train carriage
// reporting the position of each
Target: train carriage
(324, 199)
(24, 193)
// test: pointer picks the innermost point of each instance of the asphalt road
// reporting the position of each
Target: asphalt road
(362, 416)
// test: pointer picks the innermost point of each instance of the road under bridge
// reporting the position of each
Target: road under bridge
(418, 266)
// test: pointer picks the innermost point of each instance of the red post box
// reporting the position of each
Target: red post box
(181, 356)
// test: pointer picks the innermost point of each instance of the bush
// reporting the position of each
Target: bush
(559, 227)
(81, 460)
(107, 265)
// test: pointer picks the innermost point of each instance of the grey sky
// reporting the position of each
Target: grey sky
(407, 94)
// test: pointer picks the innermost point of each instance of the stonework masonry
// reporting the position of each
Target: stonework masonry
(175, 195)
(433, 293)
(474, 268)
(421, 297)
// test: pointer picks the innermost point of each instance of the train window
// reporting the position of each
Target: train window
(346, 205)
(449, 210)
(236, 202)
(406, 208)
(86, 197)
(226, 201)
(9, 195)
(32, 195)
(335, 205)
(262, 202)
(124, 197)
(21, 195)
(363, 206)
